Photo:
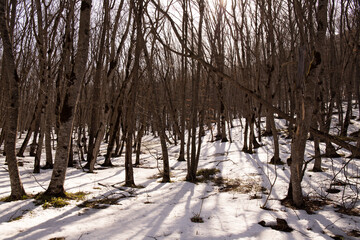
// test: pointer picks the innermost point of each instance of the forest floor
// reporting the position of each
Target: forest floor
(227, 205)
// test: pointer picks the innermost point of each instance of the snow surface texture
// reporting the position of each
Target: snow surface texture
(163, 210)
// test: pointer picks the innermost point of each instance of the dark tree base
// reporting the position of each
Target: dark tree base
(181, 159)
(245, 150)
(87, 166)
(107, 164)
(317, 170)
(47, 166)
(276, 161)
(332, 155)
(218, 137)
(266, 134)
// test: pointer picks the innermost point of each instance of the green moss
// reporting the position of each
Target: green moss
(77, 195)
(10, 199)
(16, 218)
(56, 202)
(48, 201)
(4, 199)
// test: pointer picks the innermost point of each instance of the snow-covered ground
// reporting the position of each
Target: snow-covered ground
(164, 210)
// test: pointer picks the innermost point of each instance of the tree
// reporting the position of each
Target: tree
(305, 98)
(56, 186)
(194, 159)
(183, 80)
(138, 8)
(96, 132)
(12, 80)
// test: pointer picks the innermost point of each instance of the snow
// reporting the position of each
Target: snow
(163, 210)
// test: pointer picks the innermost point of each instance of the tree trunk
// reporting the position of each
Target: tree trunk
(39, 147)
(13, 81)
(184, 72)
(56, 186)
(191, 173)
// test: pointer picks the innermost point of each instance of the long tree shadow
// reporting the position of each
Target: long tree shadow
(15, 210)
(48, 227)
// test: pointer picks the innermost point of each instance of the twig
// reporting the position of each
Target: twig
(11, 217)
(333, 222)
(38, 182)
(272, 184)
(296, 214)
(302, 233)
(80, 236)
(152, 237)
(202, 198)
(156, 158)
(218, 162)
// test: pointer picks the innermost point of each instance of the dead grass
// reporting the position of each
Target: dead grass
(239, 185)
(311, 205)
(353, 233)
(100, 203)
(348, 211)
(207, 174)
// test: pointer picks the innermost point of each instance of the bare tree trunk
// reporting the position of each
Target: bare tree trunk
(191, 173)
(184, 72)
(56, 186)
(130, 103)
(306, 101)
(39, 147)
(12, 79)
(98, 101)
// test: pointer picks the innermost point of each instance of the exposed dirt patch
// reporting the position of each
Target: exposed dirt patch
(311, 205)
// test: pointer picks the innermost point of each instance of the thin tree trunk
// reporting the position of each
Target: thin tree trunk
(184, 72)
(191, 173)
(39, 147)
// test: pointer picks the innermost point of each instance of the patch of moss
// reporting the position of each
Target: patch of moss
(77, 195)
(16, 218)
(58, 202)
(4, 199)
(10, 199)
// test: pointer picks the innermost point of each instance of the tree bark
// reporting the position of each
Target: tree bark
(12, 79)
(56, 186)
